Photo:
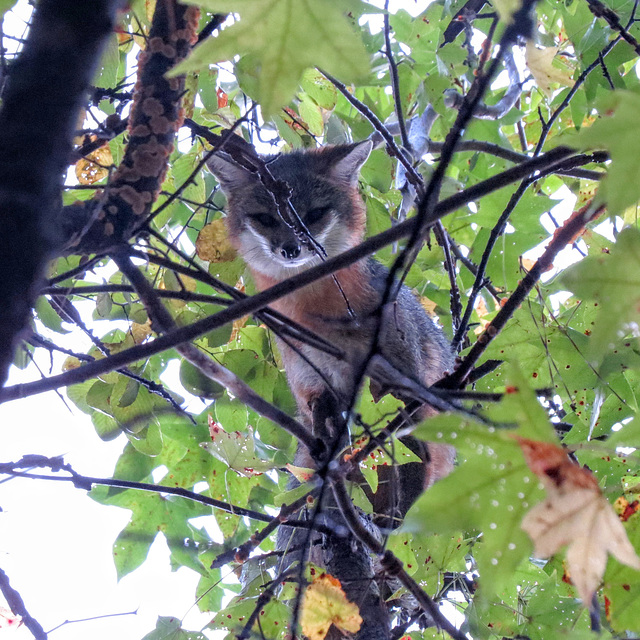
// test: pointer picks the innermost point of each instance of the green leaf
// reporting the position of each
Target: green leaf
(236, 450)
(619, 134)
(170, 629)
(319, 88)
(622, 588)
(492, 489)
(5, 5)
(286, 37)
(197, 383)
(151, 514)
(613, 281)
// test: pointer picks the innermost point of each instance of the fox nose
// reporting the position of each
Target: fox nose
(290, 250)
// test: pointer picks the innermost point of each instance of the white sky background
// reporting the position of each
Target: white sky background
(55, 542)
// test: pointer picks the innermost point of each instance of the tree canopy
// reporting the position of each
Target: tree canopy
(502, 190)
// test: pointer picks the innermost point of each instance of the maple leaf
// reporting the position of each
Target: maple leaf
(574, 514)
(236, 449)
(540, 63)
(619, 134)
(325, 603)
(613, 280)
(285, 37)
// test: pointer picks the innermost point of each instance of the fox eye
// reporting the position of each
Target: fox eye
(314, 215)
(264, 219)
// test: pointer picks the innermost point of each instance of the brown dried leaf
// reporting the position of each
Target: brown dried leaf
(575, 514)
(95, 166)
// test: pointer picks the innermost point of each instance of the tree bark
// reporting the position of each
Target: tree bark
(46, 89)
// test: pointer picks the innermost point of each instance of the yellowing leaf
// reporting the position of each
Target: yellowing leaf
(301, 474)
(95, 166)
(140, 332)
(540, 63)
(506, 9)
(428, 305)
(324, 604)
(575, 514)
(213, 244)
(71, 362)
(285, 38)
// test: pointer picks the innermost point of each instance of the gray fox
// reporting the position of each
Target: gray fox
(324, 193)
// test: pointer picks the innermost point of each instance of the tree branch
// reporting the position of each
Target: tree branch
(547, 162)
(17, 606)
(61, 53)
(561, 238)
(163, 322)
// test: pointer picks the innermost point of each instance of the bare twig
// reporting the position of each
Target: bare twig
(395, 80)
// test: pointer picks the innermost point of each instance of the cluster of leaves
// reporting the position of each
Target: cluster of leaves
(574, 339)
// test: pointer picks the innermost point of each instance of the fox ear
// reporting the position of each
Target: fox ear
(229, 174)
(347, 168)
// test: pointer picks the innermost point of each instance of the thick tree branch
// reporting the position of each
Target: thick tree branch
(154, 121)
(548, 162)
(17, 606)
(60, 55)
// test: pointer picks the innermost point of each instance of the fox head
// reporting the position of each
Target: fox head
(324, 194)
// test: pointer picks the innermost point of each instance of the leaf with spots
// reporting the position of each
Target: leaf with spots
(236, 450)
(622, 587)
(152, 514)
(492, 488)
(574, 514)
(284, 38)
(613, 280)
(326, 604)
(272, 619)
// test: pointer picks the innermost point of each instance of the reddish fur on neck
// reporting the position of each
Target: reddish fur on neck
(323, 299)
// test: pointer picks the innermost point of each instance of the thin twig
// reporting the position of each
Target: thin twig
(562, 237)
(395, 80)
(163, 322)
(600, 10)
